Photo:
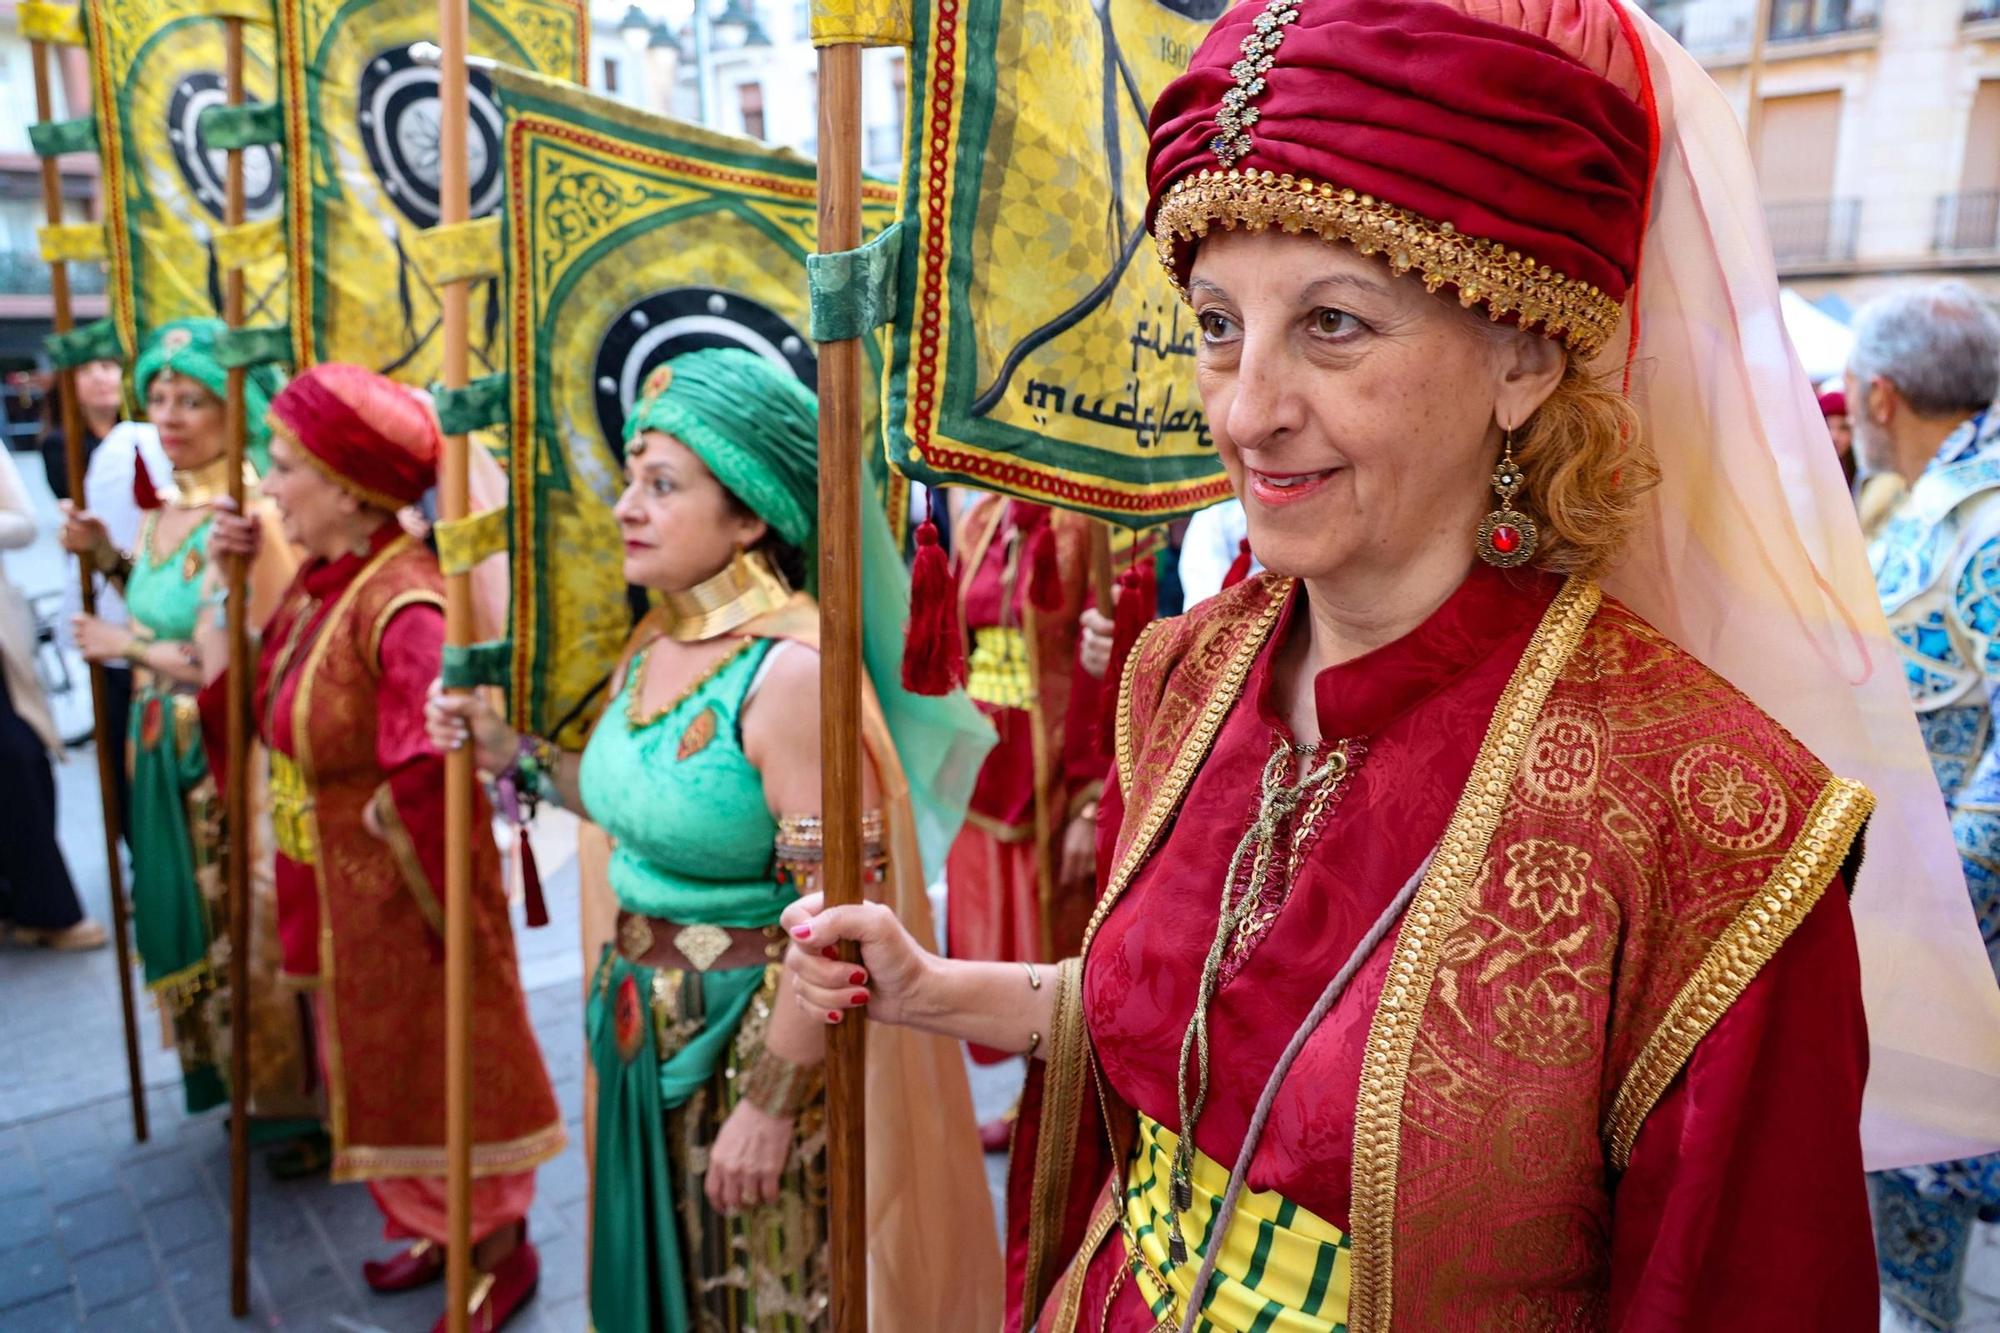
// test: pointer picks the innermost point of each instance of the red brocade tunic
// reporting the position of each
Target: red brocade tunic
(344, 668)
(1742, 1206)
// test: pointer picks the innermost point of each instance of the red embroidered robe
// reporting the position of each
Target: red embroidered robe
(344, 668)
(1002, 873)
(1605, 1097)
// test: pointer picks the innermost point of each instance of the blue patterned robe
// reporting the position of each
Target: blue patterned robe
(1937, 564)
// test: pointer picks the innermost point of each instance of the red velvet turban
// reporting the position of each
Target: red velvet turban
(1500, 147)
(369, 433)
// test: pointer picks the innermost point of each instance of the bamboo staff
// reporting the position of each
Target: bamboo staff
(454, 204)
(72, 424)
(840, 675)
(236, 796)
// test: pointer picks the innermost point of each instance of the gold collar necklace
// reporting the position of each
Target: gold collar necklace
(198, 486)
(748, 586)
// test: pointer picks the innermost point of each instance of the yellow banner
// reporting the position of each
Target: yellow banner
(630, 240)
(361, 148)
(73, 243)
(1038, 348)
(861, 22)
(38, 22)
(156, 65)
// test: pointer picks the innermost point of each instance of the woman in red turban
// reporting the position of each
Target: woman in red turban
(358, 808)
(1475, 948)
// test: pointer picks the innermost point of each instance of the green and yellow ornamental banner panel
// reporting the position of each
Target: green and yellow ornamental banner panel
(629, 239)
(1037, 347)
(156, 67)
(361, 149)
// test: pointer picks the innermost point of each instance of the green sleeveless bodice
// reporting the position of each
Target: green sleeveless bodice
(165, 595)
(684, 804)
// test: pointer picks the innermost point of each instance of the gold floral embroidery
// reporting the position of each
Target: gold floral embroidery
(1540, 1026)
(1547, 878)
(1729, 796)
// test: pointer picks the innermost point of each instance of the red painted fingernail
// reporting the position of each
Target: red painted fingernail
(829, 952)
(860, 998)
(832, 1017)
(857, 977)
(802, 932)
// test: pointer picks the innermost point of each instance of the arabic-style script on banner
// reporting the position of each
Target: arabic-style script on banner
(1037, 347)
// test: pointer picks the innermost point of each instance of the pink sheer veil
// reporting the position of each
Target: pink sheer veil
(1750, 557)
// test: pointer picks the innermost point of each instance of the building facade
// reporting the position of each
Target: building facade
(1876, 129)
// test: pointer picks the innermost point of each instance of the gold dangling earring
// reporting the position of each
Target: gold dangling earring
(1507, 537)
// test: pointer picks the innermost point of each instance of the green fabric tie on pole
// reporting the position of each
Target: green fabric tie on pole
(478, 405)
(53, 138)
(854, 292)
(226, 129)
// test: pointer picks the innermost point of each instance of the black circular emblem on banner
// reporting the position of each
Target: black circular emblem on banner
(399, 118)
(203, 168)
(687, 319)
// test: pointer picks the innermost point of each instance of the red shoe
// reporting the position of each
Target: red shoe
(996, 1134)
(499, 1295)
(421, 1264)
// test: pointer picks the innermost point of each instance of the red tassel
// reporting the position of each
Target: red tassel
(1138, 599)
(1045, 590)
(1239, 568)
(934, 649)
(531, 884)
(143, 493)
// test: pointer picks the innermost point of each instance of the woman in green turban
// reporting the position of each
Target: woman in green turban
(179, 908)
(710, 1185)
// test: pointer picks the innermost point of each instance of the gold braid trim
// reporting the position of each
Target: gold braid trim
(402, 601)
(1484, 272)
(1432, 915)
(1738, 954)
(361, 1162)
(404, 848)
(1063, 1078)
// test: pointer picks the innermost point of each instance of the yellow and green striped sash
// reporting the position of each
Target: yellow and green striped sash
(1282, 1269)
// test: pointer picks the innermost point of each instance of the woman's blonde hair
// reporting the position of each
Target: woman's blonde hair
(1585, 466)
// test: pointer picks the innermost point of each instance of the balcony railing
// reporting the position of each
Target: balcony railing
(1813, 231)
(1967, 222)
(1979, 10)
(1800, 20)
(25, 273)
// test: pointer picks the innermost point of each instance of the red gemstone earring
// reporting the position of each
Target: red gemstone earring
(1507, 537)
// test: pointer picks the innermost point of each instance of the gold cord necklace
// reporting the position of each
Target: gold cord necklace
(1279, 795)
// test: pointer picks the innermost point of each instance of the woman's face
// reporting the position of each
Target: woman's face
(676, 519)
(320, 516)
(98, 385)
(188, 417)
(1358, 416)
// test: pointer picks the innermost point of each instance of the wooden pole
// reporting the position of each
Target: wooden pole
(72, 424)
(454, 204)
(1102, 580)
(840, 499)
(236, 795)
(1753, 82)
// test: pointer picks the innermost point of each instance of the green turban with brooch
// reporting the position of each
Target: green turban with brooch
(189, 347)
(756, 428)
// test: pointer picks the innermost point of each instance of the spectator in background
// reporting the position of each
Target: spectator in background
(1215, 554)
(36, 894)
(116, 450)
(1920, 384)
(100, 399)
